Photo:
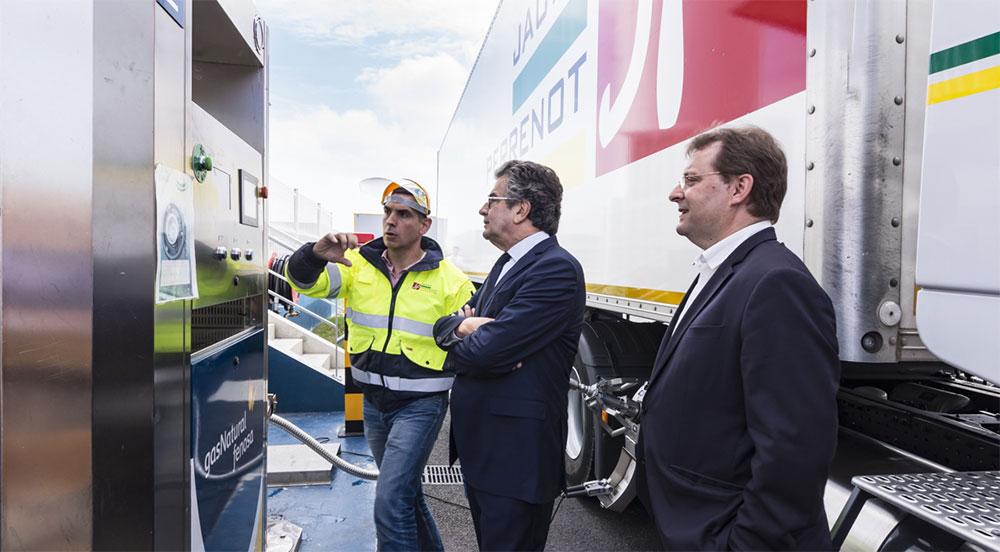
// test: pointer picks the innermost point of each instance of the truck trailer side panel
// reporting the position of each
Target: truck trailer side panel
(895, 218)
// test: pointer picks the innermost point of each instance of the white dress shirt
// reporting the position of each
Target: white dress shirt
(516, 251)
(709, 260)
(519, 250)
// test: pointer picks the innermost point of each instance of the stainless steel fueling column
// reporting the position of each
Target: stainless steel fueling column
(46, 177)
(227, 122)
(96, 411)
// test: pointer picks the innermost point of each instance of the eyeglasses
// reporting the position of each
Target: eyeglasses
(689, 180)
(491, 199)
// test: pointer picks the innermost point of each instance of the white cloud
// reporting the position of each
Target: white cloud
(394, 130)
(325, 154)
(464, 50)
(393, 22)
(419, 93)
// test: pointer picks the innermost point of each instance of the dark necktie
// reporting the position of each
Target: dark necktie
(491, 281)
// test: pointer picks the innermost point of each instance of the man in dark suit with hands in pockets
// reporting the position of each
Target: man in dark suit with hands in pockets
(740, 417)
(511, 348)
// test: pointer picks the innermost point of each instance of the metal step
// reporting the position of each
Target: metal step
(318, 361)
(310, 351)
(292, 465)
(287, 345)
(964, 504)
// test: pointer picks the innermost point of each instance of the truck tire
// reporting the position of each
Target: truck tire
(609, 348)
(579, 432)
(587, 443)
(590, 452)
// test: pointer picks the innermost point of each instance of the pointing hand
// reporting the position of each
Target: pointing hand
(331, 247)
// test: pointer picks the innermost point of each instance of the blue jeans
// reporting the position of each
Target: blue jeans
(401, 442)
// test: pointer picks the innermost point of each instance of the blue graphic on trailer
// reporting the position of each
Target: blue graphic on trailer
(175, 8)
(565, 30)
(227, 446)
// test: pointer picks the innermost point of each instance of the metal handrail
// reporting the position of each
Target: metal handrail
(332, 302)
(340, 336)
(292, 242)
(297, 242)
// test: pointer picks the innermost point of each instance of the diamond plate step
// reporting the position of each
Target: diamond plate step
(965, 504)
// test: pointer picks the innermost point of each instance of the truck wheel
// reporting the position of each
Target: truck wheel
(579, 432)
(608, 349)
(607, 449)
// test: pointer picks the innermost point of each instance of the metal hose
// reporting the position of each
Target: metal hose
(276, 284)
(316, 446)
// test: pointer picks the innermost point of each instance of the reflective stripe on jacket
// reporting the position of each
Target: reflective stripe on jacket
(389, 328)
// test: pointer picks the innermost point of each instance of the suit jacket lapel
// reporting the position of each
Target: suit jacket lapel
(670, 331)
(704, 297)
(711, 289)
(526, 260)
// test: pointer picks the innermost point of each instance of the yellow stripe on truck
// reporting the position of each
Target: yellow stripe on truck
(567, 162)
(966, 85)
(641, 294)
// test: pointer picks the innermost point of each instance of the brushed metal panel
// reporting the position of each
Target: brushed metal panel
(46, 83)
(170, 375)
(265, 179)
(140, 407)
(226, 69)
(218, 225)
(855, 131)
(171, 415)
(233, 95)
(224, 32)
(918, 34)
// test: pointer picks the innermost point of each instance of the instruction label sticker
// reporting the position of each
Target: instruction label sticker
(175, 263)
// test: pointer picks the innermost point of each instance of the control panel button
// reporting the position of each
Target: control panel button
(220, 253)
(235, 253)
(249, 254)
(201, 163)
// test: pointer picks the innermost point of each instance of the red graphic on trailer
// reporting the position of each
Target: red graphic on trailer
(719, 60)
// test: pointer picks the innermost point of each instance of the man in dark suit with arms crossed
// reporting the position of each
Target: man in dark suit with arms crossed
(740, 418)
(511, 349)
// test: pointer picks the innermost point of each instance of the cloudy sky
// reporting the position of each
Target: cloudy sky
(365, 88)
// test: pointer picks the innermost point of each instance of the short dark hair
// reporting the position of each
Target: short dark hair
(750, 150)
(539, 186)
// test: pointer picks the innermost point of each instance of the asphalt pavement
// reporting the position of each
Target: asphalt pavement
(580, 524)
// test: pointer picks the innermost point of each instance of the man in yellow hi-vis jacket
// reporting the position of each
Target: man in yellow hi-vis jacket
(396, 287)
